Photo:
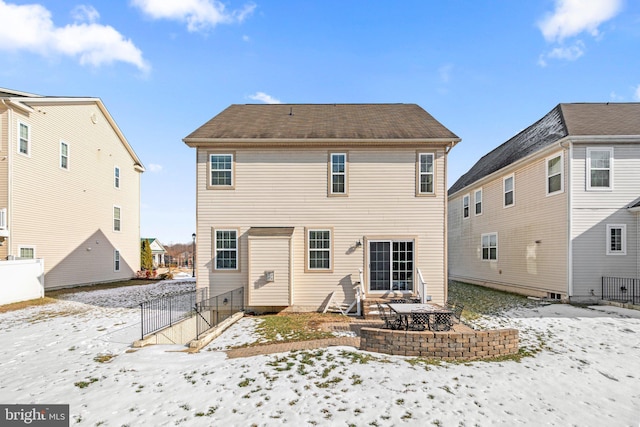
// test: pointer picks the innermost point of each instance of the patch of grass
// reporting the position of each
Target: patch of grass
(25, 304)
(245, 382)
(104, 358)
(481, 301)
(85, 384)
(292, 327)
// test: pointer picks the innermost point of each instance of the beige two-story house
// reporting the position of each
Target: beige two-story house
(555, 209)
(293, 201)
(69, 189)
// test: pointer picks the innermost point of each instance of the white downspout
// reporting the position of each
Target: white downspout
(569, 223)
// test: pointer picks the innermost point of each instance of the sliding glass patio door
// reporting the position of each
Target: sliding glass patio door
(390, 265)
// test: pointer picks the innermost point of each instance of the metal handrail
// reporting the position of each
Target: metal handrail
(621, 289)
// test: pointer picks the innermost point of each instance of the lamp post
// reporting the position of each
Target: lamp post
(193, 255)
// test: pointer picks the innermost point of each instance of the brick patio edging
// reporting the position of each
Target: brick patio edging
(441, 345)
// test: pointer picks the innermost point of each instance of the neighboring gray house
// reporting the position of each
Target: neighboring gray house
(555, 208)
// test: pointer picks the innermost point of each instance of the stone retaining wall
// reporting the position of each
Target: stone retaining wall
(441, 345)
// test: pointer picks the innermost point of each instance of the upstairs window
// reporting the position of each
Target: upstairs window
(465, 206)
(616, 239)
(338, 172)
(477, 198)
(490, 247)
(221, 168)
(425, 175)
(226, 250)
(116, 218)
(508, 187)
(599, 168)
(24, 139)
(116, 177)
(555, 181)
(319, 247)
(64, 155)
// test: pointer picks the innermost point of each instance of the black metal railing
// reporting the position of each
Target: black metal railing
(210, 312)
(166, 311)
(621, 289)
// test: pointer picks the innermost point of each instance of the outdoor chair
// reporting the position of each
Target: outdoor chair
(440, 321)
(391, 320)
(398, 301)
(457, 311)
(419, 320)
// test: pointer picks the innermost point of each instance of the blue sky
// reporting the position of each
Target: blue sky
(486, 69)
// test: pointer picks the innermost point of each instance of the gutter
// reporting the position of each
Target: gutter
(249, 142)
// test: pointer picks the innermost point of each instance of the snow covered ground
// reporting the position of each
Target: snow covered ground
(78, 352)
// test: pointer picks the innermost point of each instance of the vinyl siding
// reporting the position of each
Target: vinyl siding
(523, 265)
(593, 210)
(68, 214)
(4, 174)
(288, 187)
(269, 254)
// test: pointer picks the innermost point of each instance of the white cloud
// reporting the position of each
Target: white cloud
(263, 97)
(636, 94)
(572, 17)
(154, 167)
(445, 73)
(198, 14)
(84, 13)
(30, 28)
(569, 53)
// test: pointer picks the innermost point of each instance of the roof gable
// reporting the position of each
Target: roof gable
(580, 119)
(322, 121)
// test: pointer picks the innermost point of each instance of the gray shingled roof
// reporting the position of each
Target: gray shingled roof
(580, 119)
(322, 121)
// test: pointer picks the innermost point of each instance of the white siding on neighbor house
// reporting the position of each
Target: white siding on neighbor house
(288, 187)
(68, 214)
(532, 234)
(592, 211)
(269, 254)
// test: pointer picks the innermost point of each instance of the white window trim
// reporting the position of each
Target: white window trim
(475, 202)
(332, 173)
(513, 190)
(68, 155)
(588, 169)
(466, 199)
(482, 247)
(623, 227)
(546, 165)
(216, 249)
(116, 257)
(330, 249)
(117, 179)
(3, 219)
(21, 247)
(28, 153)
(232, 171)
(113, 223)
(433, 173)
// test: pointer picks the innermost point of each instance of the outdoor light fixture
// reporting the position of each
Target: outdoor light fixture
(225, 301)
(358, 244)
(193, 255)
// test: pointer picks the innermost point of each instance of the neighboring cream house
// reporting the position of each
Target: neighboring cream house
(69, 189)
(555, 208)
(158, 252)
(293, 200)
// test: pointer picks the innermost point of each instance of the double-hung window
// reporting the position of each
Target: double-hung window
(319, 249)
(465, 206)
(24, 139)
(599, 168)
(226, 249)
(116, 260)
(116, 177)
(425, 173)
(64, 155)
(509, 190)
(477, 198)
(616, 239)
(27, 252)
(3, 219)
(555, 168)
(490, 247)
(338, 173)
(221, 170)
(116, 218)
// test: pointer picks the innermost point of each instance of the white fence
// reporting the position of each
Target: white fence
(21, 280)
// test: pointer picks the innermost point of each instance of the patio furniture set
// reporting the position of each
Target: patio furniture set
(410, 315)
